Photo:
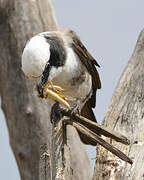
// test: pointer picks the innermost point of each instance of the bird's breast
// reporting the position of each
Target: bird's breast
(73, 76)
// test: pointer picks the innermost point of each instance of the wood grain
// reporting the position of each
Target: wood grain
(27, 117)
(125, 115)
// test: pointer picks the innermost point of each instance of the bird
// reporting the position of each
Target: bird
(61, 58)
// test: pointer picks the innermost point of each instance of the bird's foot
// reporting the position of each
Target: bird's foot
(49, 85)
(75, 109)
(55, 88)
(55, 114)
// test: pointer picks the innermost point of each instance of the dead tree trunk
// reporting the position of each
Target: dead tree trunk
(126, 115)
(27, 116)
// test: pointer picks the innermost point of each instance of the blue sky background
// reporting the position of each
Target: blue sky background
(109, 29)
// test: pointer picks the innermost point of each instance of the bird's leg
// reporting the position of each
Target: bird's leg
(55, 114)
(76, 107)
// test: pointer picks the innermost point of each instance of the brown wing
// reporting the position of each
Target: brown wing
(89, 62)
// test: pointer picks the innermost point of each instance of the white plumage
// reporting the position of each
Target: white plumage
(35, 55)
(34, 58)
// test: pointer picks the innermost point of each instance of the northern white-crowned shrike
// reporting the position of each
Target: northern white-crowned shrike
(60, 57)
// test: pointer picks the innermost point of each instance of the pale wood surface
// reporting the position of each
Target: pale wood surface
(126, 115)
(27, 117)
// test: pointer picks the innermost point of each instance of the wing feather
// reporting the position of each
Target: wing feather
(89, 62)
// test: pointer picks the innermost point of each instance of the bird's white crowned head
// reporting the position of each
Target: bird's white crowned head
(35, 56)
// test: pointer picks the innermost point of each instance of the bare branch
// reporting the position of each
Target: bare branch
(79, 123)
(125, 115)
(96, 128)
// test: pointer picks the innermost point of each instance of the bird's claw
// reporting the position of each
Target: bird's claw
(75, 109)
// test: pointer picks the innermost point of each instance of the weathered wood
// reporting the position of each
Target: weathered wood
(45, 165)
(125, 115)
(27, 117)
(61, 162)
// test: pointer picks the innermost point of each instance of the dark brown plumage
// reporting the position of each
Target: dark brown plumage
(90, 63)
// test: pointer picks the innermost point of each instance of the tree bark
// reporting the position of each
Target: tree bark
(27, 116)
(125, 115)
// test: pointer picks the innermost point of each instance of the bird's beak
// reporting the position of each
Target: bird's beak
(44, 79)
(40, 89)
